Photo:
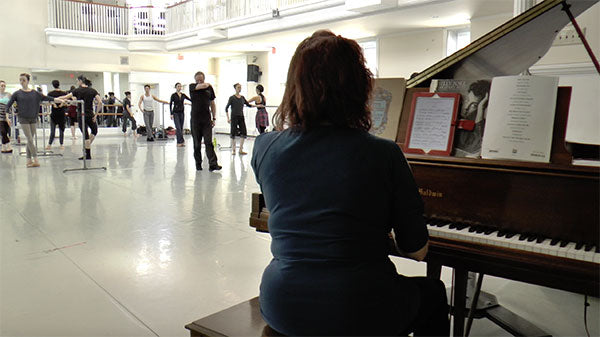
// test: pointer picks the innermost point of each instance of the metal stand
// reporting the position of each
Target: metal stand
(84, 159)
(162, 118)
(45, 108)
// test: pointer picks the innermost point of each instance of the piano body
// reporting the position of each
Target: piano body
(531, 222)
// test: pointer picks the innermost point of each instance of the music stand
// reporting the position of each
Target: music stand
(83, 127)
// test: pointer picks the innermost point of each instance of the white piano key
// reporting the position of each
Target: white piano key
(492, 239)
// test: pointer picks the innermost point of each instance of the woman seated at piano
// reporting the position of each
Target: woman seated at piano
(334, 193)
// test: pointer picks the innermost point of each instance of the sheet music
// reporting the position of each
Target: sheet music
(431, 123)
(520, 118)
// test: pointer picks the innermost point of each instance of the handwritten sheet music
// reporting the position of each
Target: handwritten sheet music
(432, 123)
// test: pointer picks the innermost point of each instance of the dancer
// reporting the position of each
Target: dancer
(72, 116)
(5, 116)
(111, 120)
(262, 116)
(57, 117)
(88, 95)
(128, 116)
(177, 115)
(29, 101)
(148, 109)
(203, 105)
(237, 122)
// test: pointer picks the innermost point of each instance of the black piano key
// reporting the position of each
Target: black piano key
(488, 231)
(579, 245)
(453, 225)
(598, 249)
(509, 235)
(441, 224)
(501, 233)
(472, 229)
(563, 243)
(531, 238)
(522, 237)
(588, 246)
(540, 239)
(554, 242)
(461, 226)
(479, 229)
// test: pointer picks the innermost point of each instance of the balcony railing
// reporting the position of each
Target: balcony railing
(191, 14)
(106, 19)
(88, 17)
(76, 15)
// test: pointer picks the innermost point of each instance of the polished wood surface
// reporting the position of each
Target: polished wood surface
(243, 319)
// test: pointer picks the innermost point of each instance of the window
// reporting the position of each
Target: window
(369, 48)
(457, 39)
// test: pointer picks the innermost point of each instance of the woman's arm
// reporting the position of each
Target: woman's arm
(159, 100)
(227, 110)
(171, 104)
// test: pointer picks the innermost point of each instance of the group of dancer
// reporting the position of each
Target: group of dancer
(202, 119)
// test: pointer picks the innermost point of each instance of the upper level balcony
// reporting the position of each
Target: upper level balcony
(188, 23)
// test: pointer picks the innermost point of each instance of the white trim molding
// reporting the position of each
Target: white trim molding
(563, 69)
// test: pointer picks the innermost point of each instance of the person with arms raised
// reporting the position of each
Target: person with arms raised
(202, 121)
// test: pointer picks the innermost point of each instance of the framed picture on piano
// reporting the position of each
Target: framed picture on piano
(432, 123)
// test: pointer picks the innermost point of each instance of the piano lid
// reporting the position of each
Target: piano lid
(509, 49)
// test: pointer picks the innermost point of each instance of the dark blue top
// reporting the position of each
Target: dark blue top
(334, 194)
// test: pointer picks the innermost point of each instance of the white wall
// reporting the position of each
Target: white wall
(400, 55)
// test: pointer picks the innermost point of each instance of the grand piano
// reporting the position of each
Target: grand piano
(530, 222)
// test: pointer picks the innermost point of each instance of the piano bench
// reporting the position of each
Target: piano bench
(243, 319)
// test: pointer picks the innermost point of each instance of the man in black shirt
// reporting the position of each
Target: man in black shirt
(128, 115)
(111, 120)
(88, 95)
(203, 105)
(57, 117)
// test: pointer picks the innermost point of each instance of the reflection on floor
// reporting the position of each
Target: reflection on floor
(150, 245)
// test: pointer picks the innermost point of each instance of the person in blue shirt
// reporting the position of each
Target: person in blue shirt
(335, 193)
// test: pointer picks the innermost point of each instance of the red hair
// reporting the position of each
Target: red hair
(327, 83)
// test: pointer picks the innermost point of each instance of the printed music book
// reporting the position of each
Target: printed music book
(431, 123)
(520, 118)
(386, 106)
(471, 118)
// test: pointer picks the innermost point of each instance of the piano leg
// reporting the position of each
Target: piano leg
(460, 297)
(474, 302)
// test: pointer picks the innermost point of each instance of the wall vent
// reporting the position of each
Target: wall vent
(124, 60)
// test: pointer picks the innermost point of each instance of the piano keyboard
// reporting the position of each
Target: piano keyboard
(526, 242)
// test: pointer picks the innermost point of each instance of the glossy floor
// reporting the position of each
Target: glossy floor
(149, 245)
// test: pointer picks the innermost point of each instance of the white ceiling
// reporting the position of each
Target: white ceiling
(435, 14)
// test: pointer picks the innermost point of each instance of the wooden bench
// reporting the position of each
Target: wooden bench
(243, 319)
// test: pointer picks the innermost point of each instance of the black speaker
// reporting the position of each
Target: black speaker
(253, 73)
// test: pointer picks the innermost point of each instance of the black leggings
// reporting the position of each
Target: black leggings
(54, 121)
(238, 127)
(5, 131)
(89, 123)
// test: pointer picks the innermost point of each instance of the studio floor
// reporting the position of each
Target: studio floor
(151, 244)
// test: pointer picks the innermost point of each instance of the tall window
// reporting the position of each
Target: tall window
(369, 48)
(457, 39)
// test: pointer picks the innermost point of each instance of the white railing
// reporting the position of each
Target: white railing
(84, 16)
(87, 17)
(191, 14)
(147, 20)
